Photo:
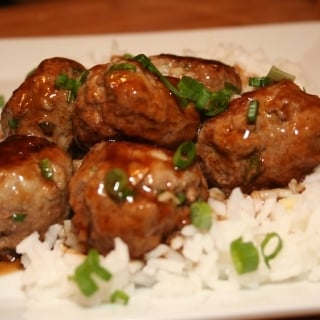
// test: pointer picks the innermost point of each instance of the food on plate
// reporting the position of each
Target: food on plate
(133, 192)
(43, 104)
(156, 133)
(34, 175)
(280, 142)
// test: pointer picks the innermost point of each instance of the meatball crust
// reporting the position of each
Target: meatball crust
(282, 144)
(151, 213)
(30, 199)
(211, 73)
(38, 107)
(130, 103)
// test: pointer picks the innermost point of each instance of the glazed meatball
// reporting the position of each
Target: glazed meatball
(43, 104)
(131, 191)
(213, 74)
(34, 177)
(124, 101)
(281, 144)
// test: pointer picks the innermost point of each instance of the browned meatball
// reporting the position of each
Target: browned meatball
(283, 143)
(213, 74)
(34, 177)
(152, 203)
(117, 103)
(42, 108)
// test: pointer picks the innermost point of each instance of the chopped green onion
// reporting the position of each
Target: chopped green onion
(252, 111)
(83, 273)
(274, 75)
(253, 169)
(184, 155)
(46, 169)
(72, 85)
(18, 217)
(13, 123)
(116, 183)
(2, 101)
(195, 91)
(123, 66)
(201, 215)
(245, 256)
(127, 56)
(119, 296)
(259, 82)
(277, 74)
(181, 198)
(277, 249)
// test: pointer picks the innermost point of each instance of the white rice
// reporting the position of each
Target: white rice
(195, 261)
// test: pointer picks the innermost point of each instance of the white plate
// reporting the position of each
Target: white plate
(299, 43)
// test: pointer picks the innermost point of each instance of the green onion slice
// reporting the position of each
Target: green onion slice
(13, 123)
(269, 237)
(245, 256)
(259, 82)
(274, 75)
(201, 215)
(184, 155)
(252, 111)
(18, 217)
(277, 74)
(72, 85)
(116, 183)
(123, 66)
(83, 273)
(46, 169)
(119, 296)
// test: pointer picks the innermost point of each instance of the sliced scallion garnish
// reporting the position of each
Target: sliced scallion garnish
(201, 215)
(259, 82)
(46, 169)
(252, 111)
(72, 85)
(13, 123)
(116, 183)
(268, 238)
(245, 256)
(83, 273)
(277, 74)
(119, 296)
(274, 75)
(18, 217)
(122, 66)
(184, 155)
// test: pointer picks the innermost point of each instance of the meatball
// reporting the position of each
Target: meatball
(211, 73)
(281, 144)
(152, 202)
(124, 101)
(34, 177)
(42, 105)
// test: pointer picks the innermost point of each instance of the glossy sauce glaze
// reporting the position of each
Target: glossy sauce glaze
(144, 219)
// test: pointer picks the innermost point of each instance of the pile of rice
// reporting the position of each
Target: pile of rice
(194, 261)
